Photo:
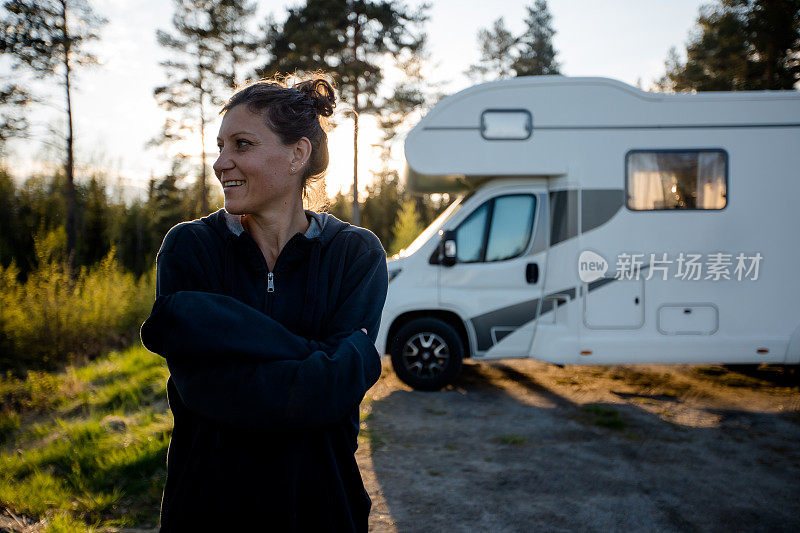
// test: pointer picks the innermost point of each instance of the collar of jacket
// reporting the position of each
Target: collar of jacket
(322, 229)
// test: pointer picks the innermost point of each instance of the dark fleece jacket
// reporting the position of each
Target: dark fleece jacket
(267, 370)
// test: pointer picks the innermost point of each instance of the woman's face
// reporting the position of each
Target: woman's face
(254, 166)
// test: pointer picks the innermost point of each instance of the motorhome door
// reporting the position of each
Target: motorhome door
(496, 281)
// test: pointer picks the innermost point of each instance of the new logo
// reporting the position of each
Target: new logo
(591, 266)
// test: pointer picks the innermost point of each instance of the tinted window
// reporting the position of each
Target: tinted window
(508, 233)
(691, 179)
(512, 221)
(470, 234)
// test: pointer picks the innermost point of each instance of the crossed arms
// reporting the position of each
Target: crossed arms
(233, 364)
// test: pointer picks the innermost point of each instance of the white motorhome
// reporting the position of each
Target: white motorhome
(601, 225)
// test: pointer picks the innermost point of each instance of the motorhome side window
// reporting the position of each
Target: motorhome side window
(672, 179)
(499, 229)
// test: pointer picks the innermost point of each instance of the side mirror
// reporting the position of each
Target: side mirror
(448, 248)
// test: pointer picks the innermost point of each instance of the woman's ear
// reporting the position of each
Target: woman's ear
(301, 153)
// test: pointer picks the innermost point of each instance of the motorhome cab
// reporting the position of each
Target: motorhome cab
(601, 225)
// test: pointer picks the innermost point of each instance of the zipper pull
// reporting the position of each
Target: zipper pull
(270, 283)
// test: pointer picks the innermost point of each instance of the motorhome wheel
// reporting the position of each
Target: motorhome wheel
(427, 354)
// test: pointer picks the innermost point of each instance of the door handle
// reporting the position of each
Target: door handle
(532, 272)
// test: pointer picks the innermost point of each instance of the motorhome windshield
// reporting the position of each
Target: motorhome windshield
(433, 229)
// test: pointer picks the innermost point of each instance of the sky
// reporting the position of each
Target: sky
(116, 114)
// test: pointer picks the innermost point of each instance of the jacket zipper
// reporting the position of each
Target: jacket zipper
(270, 293)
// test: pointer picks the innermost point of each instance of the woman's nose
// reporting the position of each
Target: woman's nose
(222, 164)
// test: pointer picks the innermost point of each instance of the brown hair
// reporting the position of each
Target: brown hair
(292, 113)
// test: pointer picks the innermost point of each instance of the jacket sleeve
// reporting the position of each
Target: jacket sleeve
(233, 364)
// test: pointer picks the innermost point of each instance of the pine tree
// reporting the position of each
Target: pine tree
(339, 206)
(382, 206)
(95, 242)
(208, 45)
(9, 218)
(504, 54)
(739, 45)
(536, 55)
(350, 38)
(498, 48)
(774, 29)
(49, 38)
(407, 228)
(13, 98)
(167, 201)
(236, 42)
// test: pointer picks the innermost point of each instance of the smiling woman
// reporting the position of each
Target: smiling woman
(261, 169)
(267, 315)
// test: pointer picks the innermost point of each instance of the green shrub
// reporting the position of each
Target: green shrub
(54, 318)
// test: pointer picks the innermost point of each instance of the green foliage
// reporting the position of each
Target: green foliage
(53, 317)
(512, 440)
(76, 460)
(95, 243)
(42, 34)
(49, 38)
(381, 207)
(407, 227)
(208, 41)
(739, 45)
(536, 54)
(341, 206)
(135, 229)
(604, 416)
(13, 98)
(349, 38)
(497, 46)
(531, 53)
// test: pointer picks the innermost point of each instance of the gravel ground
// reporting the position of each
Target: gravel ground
(519, 445)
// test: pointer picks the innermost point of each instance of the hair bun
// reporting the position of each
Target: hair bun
(321, 93)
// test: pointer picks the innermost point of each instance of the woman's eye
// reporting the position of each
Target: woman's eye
(241, 143)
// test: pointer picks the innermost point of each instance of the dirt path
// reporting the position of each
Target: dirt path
(523, 446)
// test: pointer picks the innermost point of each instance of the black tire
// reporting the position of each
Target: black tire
(427, 354)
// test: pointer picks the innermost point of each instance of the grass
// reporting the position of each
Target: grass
(376, 440)
(604, 416)
(511, 440)
(86, 448)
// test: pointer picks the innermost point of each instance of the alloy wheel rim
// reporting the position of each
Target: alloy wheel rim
(426, 354)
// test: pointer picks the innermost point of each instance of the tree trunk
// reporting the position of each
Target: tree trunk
(356, 219)
(70, 163)
(203, 194)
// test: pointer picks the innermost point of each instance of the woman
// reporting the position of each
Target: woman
(267, 316)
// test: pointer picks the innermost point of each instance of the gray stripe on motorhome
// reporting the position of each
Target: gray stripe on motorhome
(563, 215)
(542, 217)
(596, 284)
(512, 317)
(598, 206)
(547, 304)
(630, 127)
